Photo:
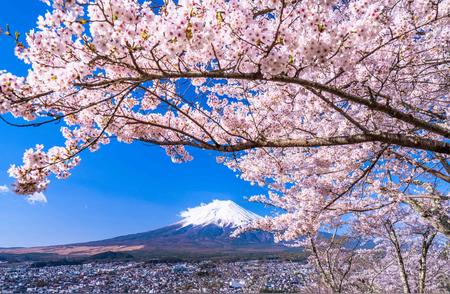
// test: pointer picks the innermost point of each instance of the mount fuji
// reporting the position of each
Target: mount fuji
(223, 213)
(204, 230)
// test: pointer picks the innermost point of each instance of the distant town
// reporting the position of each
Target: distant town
(151, 277)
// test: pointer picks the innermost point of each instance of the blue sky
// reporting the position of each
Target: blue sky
(118, 190)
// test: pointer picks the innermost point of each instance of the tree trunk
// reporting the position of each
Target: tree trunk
(325, 278)
(426, 243)
(401, 264)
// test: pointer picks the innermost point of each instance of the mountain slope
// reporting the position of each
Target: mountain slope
(204, 228)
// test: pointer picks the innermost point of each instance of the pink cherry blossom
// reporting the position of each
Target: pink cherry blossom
(337, 107)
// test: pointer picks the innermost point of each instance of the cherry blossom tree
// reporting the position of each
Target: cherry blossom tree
(335, 261)
(416, 251)
(336, 107)
(341, 268)
(397, 253)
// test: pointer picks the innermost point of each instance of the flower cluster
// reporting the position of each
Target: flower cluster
(336, 107)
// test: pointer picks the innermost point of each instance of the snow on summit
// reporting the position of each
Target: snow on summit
(223, 213)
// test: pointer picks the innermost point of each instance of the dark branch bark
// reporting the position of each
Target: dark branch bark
(401, 264)
(403, 140)
(400, 140)
(427, 240)
(325, 278)
(371, 104)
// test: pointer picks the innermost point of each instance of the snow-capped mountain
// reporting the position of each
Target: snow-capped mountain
(202, 231)
(205, 229)
(223, 213)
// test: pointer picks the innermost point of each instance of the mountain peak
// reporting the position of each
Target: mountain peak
(223, 213)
